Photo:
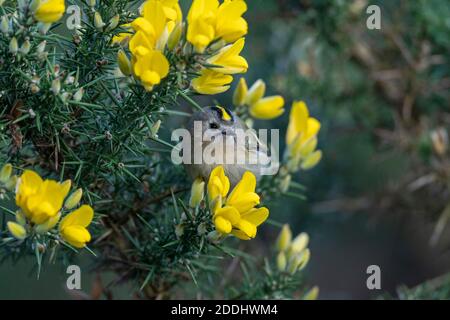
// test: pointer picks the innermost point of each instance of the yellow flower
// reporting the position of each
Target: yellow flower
(256, 92)
(197, 192)
(17, 230)
(172, 12)
(50, 11)
(150, 67)
(140, 43)
(260, 107)
(239, 216)
(267, 108)
(73, 226)
(240, 93)
(243, 196)
(228, 59)
(230, 25)
(301, 138)
(39, 199)
(201, 23)
(218, 185)
(301, 125)
(212, 82)
(208, 21)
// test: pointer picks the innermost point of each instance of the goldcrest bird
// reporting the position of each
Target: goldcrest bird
(215, 131)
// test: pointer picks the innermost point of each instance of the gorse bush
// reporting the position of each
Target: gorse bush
(80, 122)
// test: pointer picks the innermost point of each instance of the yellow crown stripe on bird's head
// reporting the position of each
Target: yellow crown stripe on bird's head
(225, 115)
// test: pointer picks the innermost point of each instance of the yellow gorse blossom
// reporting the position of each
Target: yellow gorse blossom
(40, 199)
(301, 138)
(201, 23)
(149, 65)
(260, 107)
(49, 11)
(236, 213)
(228, 59)
(208, 20)
(41, 207)
(230, 25)
(211, 82)
(73, 226)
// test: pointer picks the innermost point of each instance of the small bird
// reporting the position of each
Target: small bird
(215, 132)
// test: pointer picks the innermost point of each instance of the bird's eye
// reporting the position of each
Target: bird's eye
(213, 125)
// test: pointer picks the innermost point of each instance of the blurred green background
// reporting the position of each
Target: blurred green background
(381, 193)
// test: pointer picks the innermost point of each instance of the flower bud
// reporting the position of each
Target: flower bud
(179, 230)
(113, 23)
(216, 46)
(155, 128)
(202, 229)
(34, 88)
(4, 25)
(20, 218)
(439, 138)
(5, 173)
(214, 236)
(78, 95)
(91, 3)
(312, 294)
(41, 47)
(197, 192)
(98, 21)
(44, 27)
(285, 183)
(124, 63)
(281, 261)
(240, 93)
(25, 47)
(69, 80)
(306, 255)
(175, 36)
(256, 92)
(312, 160)
(13, 46)
(284, 239)
(56, 86)
(34, 5)
(66, 186)
(74, 199)
(16, 230)
(11, 184)
(299, 243)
